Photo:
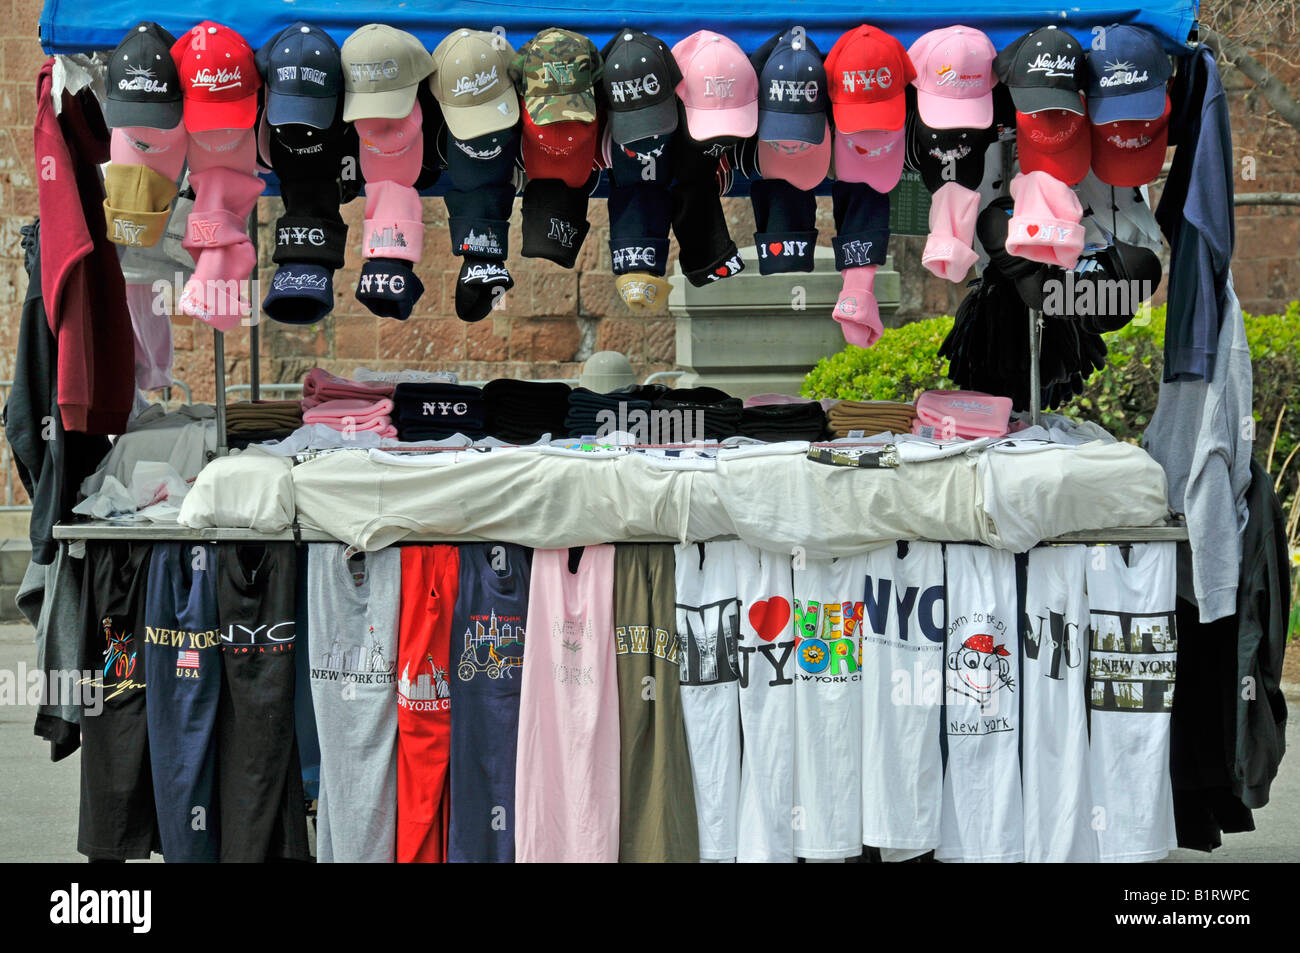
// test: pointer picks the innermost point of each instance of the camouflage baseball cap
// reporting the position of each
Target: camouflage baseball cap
(556, 73)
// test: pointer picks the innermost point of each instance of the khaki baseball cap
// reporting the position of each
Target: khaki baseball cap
(471, 81)
(382, 70)
(138, 203)
(556, 72)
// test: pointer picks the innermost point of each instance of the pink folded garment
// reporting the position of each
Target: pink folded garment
(968, 414)
(320, 385)
(340, 414)
(1045, 225)
(948, 253)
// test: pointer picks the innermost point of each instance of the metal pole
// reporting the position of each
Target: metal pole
(1035, 381)
(254, 336)
(219, 356)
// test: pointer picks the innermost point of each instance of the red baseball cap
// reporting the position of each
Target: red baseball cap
(1054, 141)
(1130, 152)
(559, 150)
(219, 78)
(868, 71)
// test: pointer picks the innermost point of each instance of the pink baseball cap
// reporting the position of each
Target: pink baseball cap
(719, 87)
(223, 149)
(1045, 223)
(162, 150)
(392, 150)
(954, 78)
(874, 157)
(802, 164)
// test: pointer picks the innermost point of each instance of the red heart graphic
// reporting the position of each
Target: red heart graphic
(775, 247)
(769, 616)
(1032, 230)
(722, 271)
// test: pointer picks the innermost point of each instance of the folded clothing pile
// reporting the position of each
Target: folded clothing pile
(350, 415)
(320, 385)
(774, 422)
(871, 417)
(589, 412)
(525, 411)
(966, 414)
(717, 411)
(435, 411)
(254, 421)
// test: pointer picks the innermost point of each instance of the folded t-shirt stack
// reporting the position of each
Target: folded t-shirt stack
(586, 417)
(254, 421)
(718, 411)
(320, 385)
(436, 411)
(871, 417)
(354, 416)
(525, 411)
(774, 422)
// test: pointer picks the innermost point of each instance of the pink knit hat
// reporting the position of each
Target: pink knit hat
(948, 253)
(393, 225)
(968, 414)
(1045, 224)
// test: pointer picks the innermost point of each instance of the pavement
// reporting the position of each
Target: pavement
(39, 818)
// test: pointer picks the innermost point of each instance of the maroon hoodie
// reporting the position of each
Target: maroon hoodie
(81, 279)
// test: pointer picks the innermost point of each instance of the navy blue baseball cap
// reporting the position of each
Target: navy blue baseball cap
(792, 95)
(303, 70)
(300, 293)
(1127, 78)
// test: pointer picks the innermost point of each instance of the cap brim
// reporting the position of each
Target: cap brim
(941, 112)
(236, 114)
(315, 111)
(659, 119)
(885, 116)
(881, 173)
(1034, 99)
(306, 304)
(805, 171)
(775, 126)
(1146, 105)
(740, 122)
(1069, 165)
(390, 104)
(482, 119)
(166, 115)
(1128, 168)
(544, 110)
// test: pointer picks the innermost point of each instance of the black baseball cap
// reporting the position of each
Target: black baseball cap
(792, 95)
(144, 88)
(1044, 69)
(947, 155)
(638, 85)
(303, 70)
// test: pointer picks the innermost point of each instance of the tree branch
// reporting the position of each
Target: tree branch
(1273, 89)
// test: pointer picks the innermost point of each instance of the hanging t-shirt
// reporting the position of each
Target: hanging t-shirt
(1131, 670)
(983, 820)
(487, 657)
(657, 822)
(429, 578)
(259, 776)
(767, 672)
(117, 820)
(567, 768)
(353, 601)
(708, 631)
(903, 622)
(828, 707)
(1054, 732)
(182, 666)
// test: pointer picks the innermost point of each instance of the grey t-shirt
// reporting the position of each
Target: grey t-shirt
(352, 611)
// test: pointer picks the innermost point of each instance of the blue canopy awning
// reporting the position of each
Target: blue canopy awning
(79, 26)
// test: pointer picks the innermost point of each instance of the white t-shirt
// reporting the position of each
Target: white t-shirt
(828, 707)
(767, 675)
(902, 691)
(1054, 734)
(983, 818)
(708, 627)
(1131, 672)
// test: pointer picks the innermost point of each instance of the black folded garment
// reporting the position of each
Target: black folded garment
(775, 422)
(590, 413)
(525, 411)
(714, 414)
(433, 411)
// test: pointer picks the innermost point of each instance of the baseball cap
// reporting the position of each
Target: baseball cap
(868, 71)
(219, 78)
(163, 150)
(392, 149)
(483, 160)
(804, 165)
(382, 70)
(719, 88)
(947, 155)
(556, 73)
(304, 76)
(1127, 79)
(559, 150)
(471, 81)
(1044, 69)
(954, 78)
(638, 85)
(143, 86)
(1054, 141)
(1130, 153)
(874, 157)
(792, 86)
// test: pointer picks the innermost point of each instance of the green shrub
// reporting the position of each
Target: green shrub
(903, 363)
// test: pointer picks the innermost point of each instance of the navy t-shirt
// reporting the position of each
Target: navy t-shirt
(487, 653)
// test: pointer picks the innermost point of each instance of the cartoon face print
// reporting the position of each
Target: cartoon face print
(980, 668)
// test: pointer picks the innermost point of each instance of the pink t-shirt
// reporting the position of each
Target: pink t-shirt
(567, 767)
